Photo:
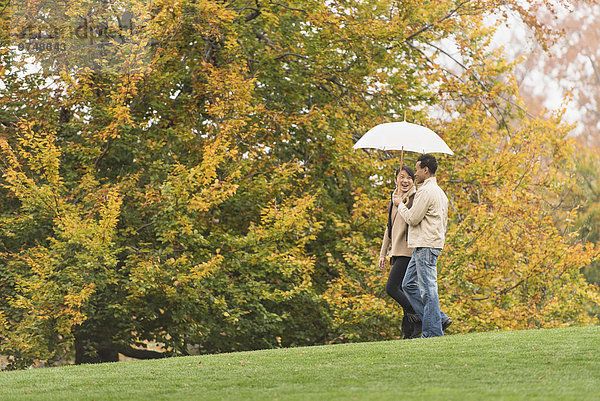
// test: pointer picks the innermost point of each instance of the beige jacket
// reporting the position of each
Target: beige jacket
(428, 216)
(399, 229)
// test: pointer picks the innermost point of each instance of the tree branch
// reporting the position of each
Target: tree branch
(290, 8)
(141, 353)
(4, 8)
(507, 290)
(596, 73)
(104, 152)
(430, 25)
(255, 13)
(292, 55)
(262, 37)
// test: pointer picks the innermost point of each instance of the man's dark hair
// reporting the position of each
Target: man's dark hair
(428, 161)
(408, 170)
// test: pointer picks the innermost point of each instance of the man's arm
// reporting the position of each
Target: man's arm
(416, 213)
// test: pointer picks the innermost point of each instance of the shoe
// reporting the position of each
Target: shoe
(406, 328)
(417, 330)
(446, 323)
(414, 326)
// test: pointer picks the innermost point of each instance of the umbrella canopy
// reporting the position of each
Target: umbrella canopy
(403, 136)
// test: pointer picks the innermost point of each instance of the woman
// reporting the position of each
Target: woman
(395, 235)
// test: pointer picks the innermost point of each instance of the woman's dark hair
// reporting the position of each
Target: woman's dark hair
(408, 170)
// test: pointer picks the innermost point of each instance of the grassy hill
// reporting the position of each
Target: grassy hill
(556, 364)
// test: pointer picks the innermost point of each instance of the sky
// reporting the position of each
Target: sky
(517, 39)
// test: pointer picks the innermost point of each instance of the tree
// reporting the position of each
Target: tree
(210, 200)
(571, 70)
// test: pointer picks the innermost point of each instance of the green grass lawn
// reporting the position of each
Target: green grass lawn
(557, 364)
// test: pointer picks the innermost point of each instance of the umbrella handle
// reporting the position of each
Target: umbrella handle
(401, 165)
(402, 157)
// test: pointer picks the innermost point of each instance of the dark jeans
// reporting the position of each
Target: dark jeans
(394, 283)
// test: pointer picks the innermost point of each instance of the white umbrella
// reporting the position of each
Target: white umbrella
(403, 136)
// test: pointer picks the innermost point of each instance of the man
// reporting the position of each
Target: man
(427, 220)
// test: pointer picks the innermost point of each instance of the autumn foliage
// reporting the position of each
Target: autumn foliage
(210, 200)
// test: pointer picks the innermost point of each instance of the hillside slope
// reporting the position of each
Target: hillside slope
(556, 364)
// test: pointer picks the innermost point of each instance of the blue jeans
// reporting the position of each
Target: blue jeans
(421, 289)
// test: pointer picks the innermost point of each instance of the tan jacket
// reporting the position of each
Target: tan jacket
(428, 216)
(399, 229)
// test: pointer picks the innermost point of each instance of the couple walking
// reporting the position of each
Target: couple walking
(416, 231)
